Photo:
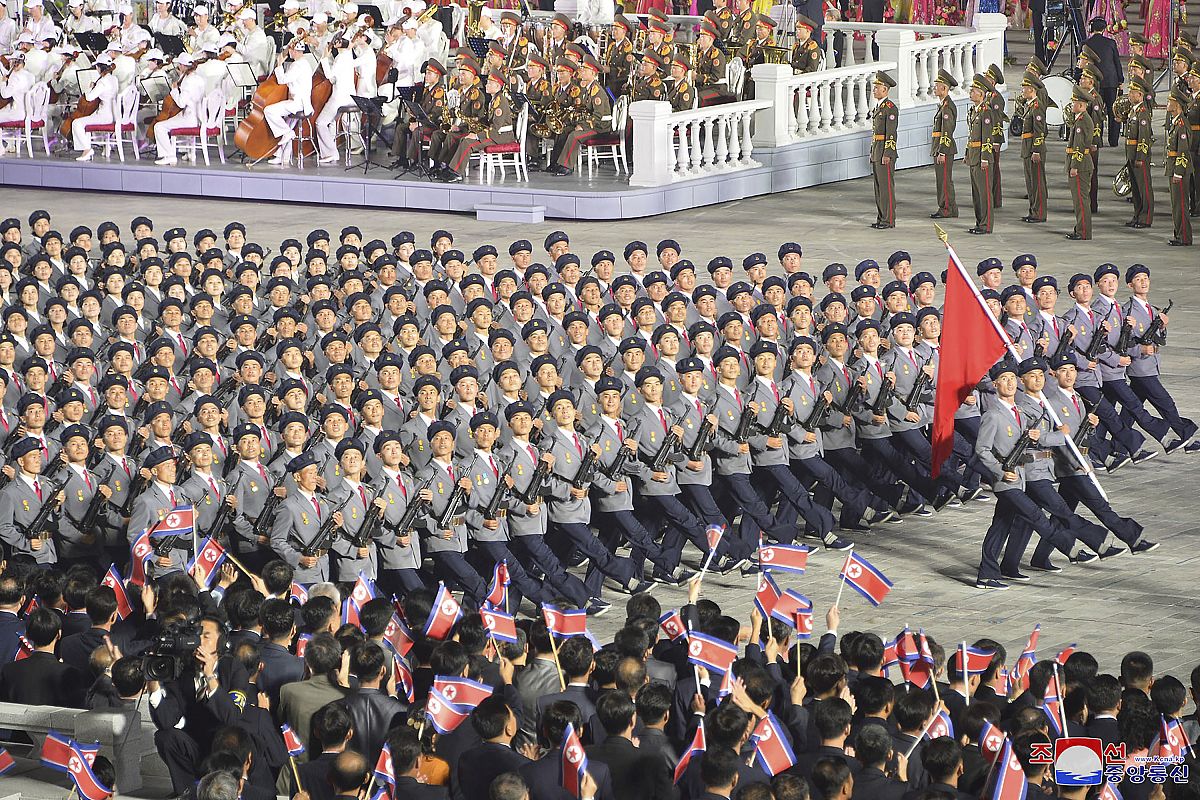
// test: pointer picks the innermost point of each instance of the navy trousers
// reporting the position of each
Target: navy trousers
(601, 562)
(534, 551)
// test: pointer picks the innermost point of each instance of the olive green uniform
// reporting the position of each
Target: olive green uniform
(1139, 136)
(945, 119)
(1180, 168)
(884, 122)
(979, 158)
(1079, 158)
(1033, 142)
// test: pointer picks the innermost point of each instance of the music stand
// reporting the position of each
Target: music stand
(156, 87)
(423, 121)
(371, 109)
(241, 73)
(170, 45)
(95, 42)
(479, 46)
(87, 79)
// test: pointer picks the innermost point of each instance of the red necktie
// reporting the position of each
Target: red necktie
(213, 484)
(92, 393)
(1117, 308)
(182, 346)
(317, 506)
(450, 471)
(400, 483)
(846, 372)
(532, 453)
(1017, 414)
(263, 472)
(663, 419)
(266, 437)
(37, 487)
(879, 367)
(577, 447)
(492, 463)
(620, 432)
(1092, 317)
(1054, 320)
(1075, 400)
(87, 480)
(812, 385)
(125, 464)
(171, 494)
(738, 397)
(775, 391)
(362, 495)
(175, 385)
(1150, 311)
(699, 408)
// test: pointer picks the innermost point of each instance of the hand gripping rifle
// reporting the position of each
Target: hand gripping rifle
(416, 507)
(923, 383)
(500, 495)
(587, 468)
(821, 405)
(883, 400)
(537, 481)
(218, 523)
(454, 507)
(749, 417)
(262, 525)
(1156, 333)
(1016, 457)
(670, 444)
(1125, 338)
(325, 533)
(37, 528)
(617, 467)
(704, 435)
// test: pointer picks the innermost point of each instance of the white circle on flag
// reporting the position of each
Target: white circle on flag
(993, 742)
(853, 571)
(551, 619)
(766, 734)
(434, 706)
(574, 755)
(767, 554)
(173, 520)
(210, 555)
(672, 628)
(489, 621)
(451, 692)
(74, 764)
(448, 607)
(695, 647)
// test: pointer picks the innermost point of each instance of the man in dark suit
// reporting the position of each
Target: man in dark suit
(873, 747)
(41, 679)
(942, 759)
(76, 650)
(372, 710)
(330, 733)
(913, 710)
(279, 665)
(653, 703)
(1103, 702)
(1110, 70)
(542, 775)
(831, 717)
(12, 598)
(496, 723)
(406, 749)
(575, 658)
(1040, 784)
(635, 774)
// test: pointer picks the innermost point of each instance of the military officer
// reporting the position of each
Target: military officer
(1033, 146)
(1139, 137)
(979, 156)
(1079, 164)
(806, 52)
(884, 121)
(942, 147)
(1179, 166)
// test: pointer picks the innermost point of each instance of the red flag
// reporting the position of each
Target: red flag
(140, 552)
(767, 595)
(24, 648)
(301, 643)
(1064, 654)
(771, 747)
(291, 740)
(364, 591)
(444, 615)
(715, 655)
(861, 576)
(991, 740)
(783, 557)
(971, 344)
(502, 627)
(574, 762)
(497, 596)
(209, 561)
(699, 745)
(6, 761)
(384, 772)
(564, 622)
(671, 624)
(112, 579)
(444, 715)
(463, 692)
(1010, 781)
(789, 605)
(398, 635)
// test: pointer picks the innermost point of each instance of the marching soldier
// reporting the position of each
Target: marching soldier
(1179, 165)
(296, 529)
(884, 121)
(806, 53)
(21, 503)
(709, 70)
(942, 146)
(979, 153)
(1079, 163)
(1033, 146)
(1139, 136)
(681, 94)
(595, 115)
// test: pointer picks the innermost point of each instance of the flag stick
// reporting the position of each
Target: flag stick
(562, 684)
(370, 785)
(966, 672)
(707, 561)
(421, 729)
(1012, 351)
(695, 667)
(233, 559)
(837, 601)
(937, 697)
(921, 735)
(296, 773)
(1062, 704)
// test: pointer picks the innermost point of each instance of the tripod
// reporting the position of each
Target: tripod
(1068, 24)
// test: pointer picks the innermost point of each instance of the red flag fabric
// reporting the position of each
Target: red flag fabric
(112, 579)
(970, 346)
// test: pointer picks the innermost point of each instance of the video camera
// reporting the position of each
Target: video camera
(171, 649)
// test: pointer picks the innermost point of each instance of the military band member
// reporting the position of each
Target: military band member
(709, 70)
(806, 52)
(942, 147)
(1179, 166)
(1139, 137)
(756, 51)
(409, 135)
(648, 85)
(995, 101)
(1079, 163)
(656, 39)
(884, 121)
(681, 94)
(979, 153)
(595, 115)
(501, 129)
(516, 44)
(1033, 146)
(1193, 118)
(722, 18)
(1089, 80)
(619, 58)
(741, 27)
(555, 44)
(471, 114)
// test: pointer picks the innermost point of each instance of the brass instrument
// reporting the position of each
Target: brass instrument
(639, 42)
(1121, 107)
(776, 55)
(474, 14)
(427, 14)
(1122, 186)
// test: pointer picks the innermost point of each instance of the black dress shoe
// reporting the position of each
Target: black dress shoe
(1139, 225)
(880, 225)
(1177, 243)
(1131, 224)
(1075, 237)
(938, 215)
(978, 231)
(1036, 220)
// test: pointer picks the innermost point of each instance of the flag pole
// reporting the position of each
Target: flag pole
(921, 735)
(1062, 699)
(711, 553)
(837, 601)
(295, 773)
(965, 671)
(1012, 351)
(696, 668)
(562, 684)
(233, 559)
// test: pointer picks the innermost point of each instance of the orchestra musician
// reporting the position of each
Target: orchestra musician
(722, 19)
(134, 39)
(37, 23)
(125, 67)
(9, 30)
(806, 53)
(256, 46)
(470, 111)
(293, 17)
(741, 30)
(681, 94)
(104, 92)
(556, 41)
(656, 40)
(539, 93)
(202, 33)
(648, 85)
(500, 130)
(619, 59)
(594, 114)
(515, 43)
(164, 21)
(78, 20)
(339, 68)
(407, 52)
(709, 69)
(756, 50)
(187, 93)
(16, 88)
(296, 72)
(406, 146)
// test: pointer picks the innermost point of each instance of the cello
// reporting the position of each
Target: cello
(254, 137)
(84, 107)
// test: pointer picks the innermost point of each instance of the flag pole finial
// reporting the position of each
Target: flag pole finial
(941, 234)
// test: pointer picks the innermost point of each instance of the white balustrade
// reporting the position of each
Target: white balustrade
(825, 102)
(868, 30)
(669, 147)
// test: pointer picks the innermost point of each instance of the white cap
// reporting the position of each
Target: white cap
(486, 11)
(103, 58)
(125, 8)
(33, 3)
(25, 38)
(320, 18)
(113, 47)
(291, 5)
(350, 8)
(74, 3)
(182, 60)
(417, 6)
(227, 40)
(200, 10)
(247, 13)
(409, 24)
(154, 54)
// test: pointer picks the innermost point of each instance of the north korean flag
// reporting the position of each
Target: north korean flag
(803, 623)
(402, 672)
(56, 751)
(298, 594)
(941, 726)
(1052, 705)
(302, 642)
(865, 578)
(497, 596)
(208, 561)
(890, 656)
(698, 746)
(1170, 740)
(24, 648)
(31, 606)
(6, 761)
(991, 741)
(463, 692)
(906, 652)
(671, 624)
(920, 672)
(1065, 653)
(715, 655)
(790, 603)
(398, 635)
(80, 767)
(364, 591)
(291, 740)
(1010, 778)
(350, 611)
(978, 659)
(443, 715)
(713, 534)
(383, 766)
(771, 747)
(565, 623)
(444, 615)
(112, 579)
(501, 626)
(140, 552)
(179, 521)
(1109, 792)
(573, 762)
(767, 594)
(783, 557)
(1028, 657)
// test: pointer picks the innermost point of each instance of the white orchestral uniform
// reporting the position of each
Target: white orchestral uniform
(105, 90)
(341, 71)
(298, 77)
(187, 96)
(17, 89)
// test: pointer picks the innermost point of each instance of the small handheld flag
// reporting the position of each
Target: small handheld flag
(444, 615)
(1010, 778)
(497, 596)
(715, 655)
(80, 768)
(784, 558)
(179, 521)
(942, 726)
(767, 594)
(444, 715)
(462, 692)
(697, 747)
(113, 580)
(771, 747)
(564, 623)
(791, 604)
(671, 624)
(6, 761)
(502, 627)
(291, 740)
(574, 762)
(398, 635)
(207, 562)
(384, 772)
(865, 579)
(140, 551)
(298, 594)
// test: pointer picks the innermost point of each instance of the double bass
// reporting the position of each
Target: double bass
(254, 137)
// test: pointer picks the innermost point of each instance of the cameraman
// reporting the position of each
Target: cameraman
(190, 692)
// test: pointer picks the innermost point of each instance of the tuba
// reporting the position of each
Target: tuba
(474, 14)
(1121, 185)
